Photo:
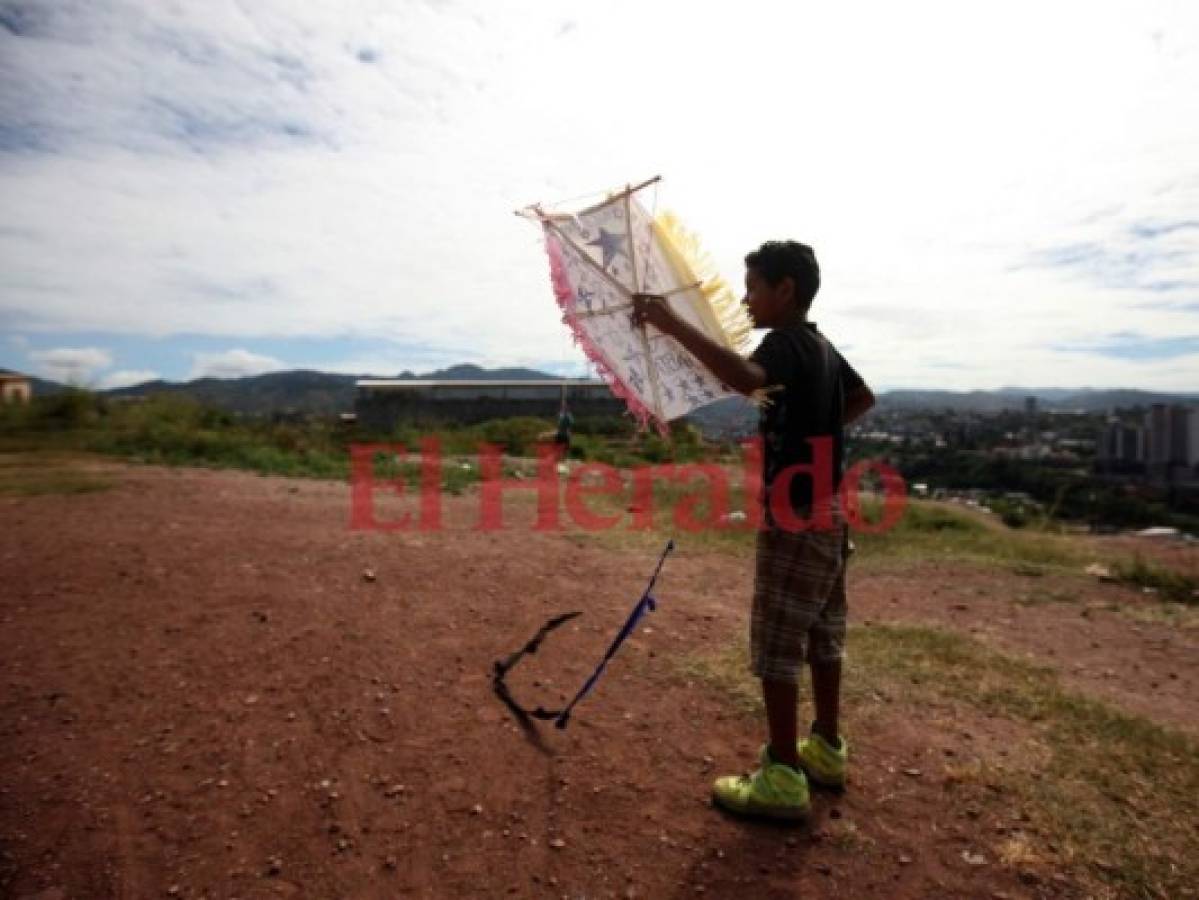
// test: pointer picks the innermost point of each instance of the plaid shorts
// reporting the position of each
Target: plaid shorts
(799, 603)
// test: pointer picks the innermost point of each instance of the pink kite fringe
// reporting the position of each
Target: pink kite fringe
(564, 293)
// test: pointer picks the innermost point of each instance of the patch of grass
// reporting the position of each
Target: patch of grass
(1168, 584)
(1041, 596)
(725, 670)
(1028, 570)
(171, 429)
(931, 530)
(1114, 792)
(31, 475)
(927, 531)
(176, 431)
(1173, 615)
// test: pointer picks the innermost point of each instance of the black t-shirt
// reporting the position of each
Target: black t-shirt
(807, 381)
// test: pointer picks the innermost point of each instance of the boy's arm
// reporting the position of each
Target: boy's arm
(857, 403)
(741, 374)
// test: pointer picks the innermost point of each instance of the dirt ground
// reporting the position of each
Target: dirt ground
(205, 697)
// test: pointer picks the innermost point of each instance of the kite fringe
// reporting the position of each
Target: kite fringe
(730, 313)
(564, 294)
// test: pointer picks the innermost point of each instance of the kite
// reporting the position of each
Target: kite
(600, 256)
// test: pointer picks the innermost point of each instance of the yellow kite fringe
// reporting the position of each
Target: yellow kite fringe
(695, 264)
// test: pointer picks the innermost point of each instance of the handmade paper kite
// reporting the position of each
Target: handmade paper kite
(603, 254)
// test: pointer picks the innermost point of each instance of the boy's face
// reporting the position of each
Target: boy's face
(769, 306)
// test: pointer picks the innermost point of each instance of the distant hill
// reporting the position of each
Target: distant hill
(1099, 400)
(41, 386)
(301, 390)
(735, 417)
(296, 391)
(1048, 399)
(324, 393)
(727, 419)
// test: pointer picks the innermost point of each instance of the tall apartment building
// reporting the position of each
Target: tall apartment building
(1121, 444)
(1193, 436)
(1157, 435)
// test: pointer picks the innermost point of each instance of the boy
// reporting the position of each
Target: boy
(799, 582)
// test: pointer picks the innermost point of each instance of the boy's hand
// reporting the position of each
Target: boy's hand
(725, 363)
(652, 309)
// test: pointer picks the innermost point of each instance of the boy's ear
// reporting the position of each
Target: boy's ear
(786, 289)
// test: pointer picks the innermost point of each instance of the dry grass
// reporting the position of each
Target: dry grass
(34, 474)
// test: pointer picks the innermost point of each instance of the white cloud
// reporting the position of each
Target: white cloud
(73, 365)
(232, 364)
(126, 378)
(331, 169)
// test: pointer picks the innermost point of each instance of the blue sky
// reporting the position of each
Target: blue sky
(999, 195)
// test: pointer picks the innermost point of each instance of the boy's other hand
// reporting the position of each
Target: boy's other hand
(652, 309)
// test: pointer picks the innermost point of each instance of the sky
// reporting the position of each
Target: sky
(1002, 194)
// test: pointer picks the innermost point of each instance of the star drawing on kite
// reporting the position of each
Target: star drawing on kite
(611, 243)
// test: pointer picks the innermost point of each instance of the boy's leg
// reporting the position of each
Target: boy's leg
(827, 646)
(777, 788)
(796, 577)
(781, 699)
(779, 625)
(826, 695)
(825, 755)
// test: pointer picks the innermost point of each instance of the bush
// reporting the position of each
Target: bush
(1014, 518)
(518, 435)
(1012, 514)
(72, 408)
(932, 518)
(605, 426)
(1170, 585)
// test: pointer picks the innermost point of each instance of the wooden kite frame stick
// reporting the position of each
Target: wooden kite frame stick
(536, 210)
(655, 389)
(621, 307)
(628, 226)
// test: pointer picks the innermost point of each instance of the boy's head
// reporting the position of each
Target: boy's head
(781, 278)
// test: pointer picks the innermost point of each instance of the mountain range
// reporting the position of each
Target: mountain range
(324, 393)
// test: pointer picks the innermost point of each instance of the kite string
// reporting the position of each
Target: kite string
(608, 196)
(572, 200)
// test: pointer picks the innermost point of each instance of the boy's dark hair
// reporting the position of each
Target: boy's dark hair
(776, 260)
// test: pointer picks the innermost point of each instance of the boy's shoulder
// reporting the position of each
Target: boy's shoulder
(800, 344)
(801, 355)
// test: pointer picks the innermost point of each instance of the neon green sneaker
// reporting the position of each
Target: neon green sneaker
(774, 791)
(824, 764)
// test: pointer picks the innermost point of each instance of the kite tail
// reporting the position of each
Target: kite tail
(565, 295)
(731, 315)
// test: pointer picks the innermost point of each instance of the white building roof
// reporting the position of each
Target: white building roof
(403, 383)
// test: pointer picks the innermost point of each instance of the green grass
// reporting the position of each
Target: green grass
(927, 531)
(1114, 795)
(1168, 584)
(174, 430)
(931, 531)
(31, 475)
(1039, 596)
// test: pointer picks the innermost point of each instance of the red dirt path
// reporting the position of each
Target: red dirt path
(203, 697)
